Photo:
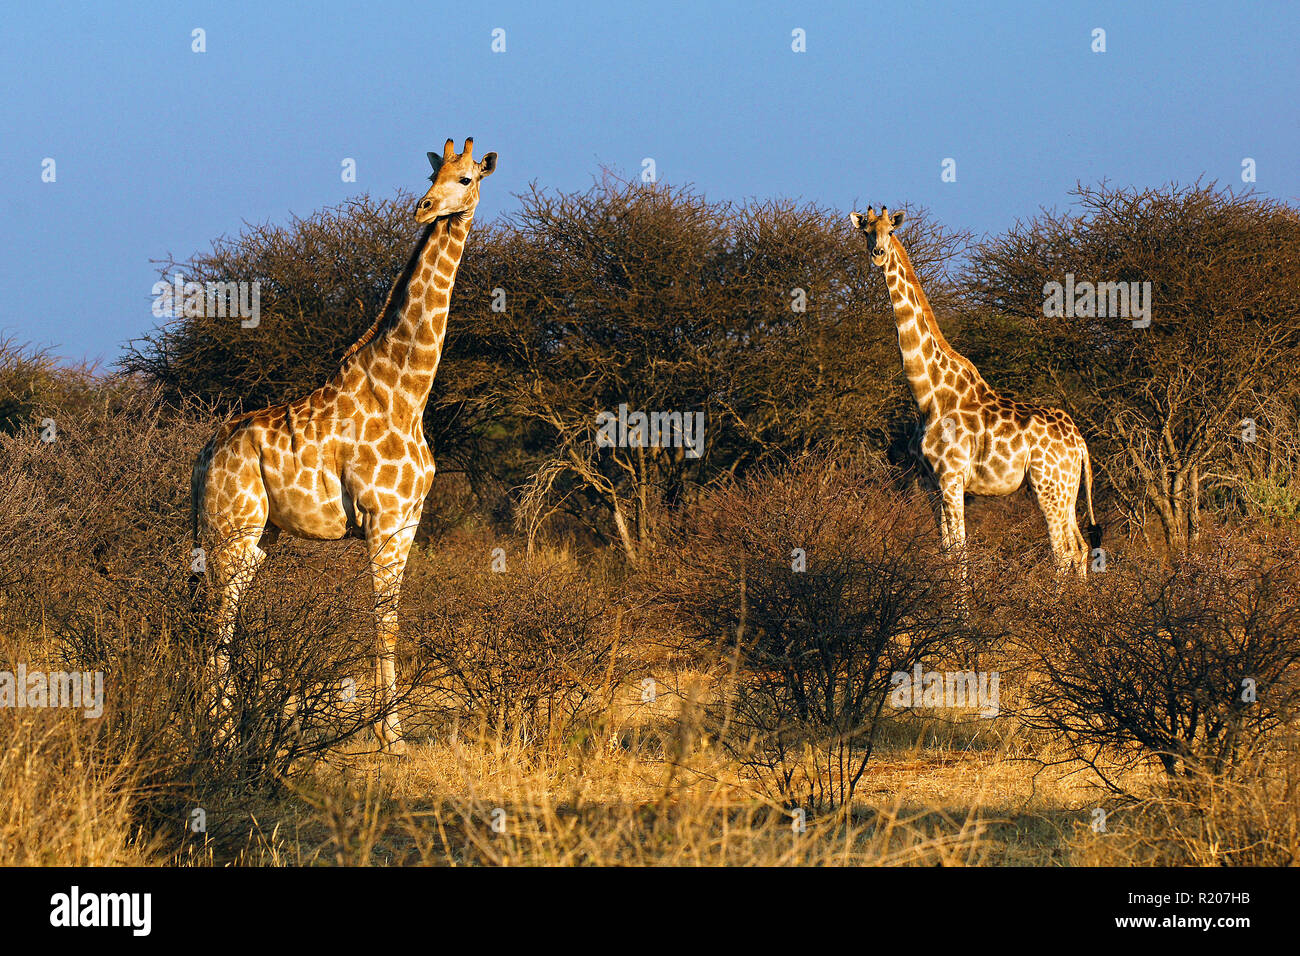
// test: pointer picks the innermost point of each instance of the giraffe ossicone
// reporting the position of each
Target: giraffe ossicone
(350, 458)
(971, 439)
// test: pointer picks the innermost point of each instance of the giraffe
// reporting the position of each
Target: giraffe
(972, 440)
(350, 458)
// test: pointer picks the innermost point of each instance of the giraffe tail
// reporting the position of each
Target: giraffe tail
(1094, 529)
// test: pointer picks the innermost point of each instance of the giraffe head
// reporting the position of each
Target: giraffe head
(454, 181)
(877, 229)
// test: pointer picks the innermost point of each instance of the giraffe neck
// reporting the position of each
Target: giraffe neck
(401, 351)
(920, 340)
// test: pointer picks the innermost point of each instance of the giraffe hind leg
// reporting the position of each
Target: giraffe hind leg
(1062, 531)
(1081, 548)
(236, 563)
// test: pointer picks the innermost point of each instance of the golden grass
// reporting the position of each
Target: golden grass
(949, 790)
(57, 807)
(945, 789)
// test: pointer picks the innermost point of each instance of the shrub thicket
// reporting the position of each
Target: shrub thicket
(816, 585)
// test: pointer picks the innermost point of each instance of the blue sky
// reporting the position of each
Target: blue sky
(159, 149)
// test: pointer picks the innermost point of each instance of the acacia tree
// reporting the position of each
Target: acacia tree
(1261, 473)
(605, 306)
(1162, 403)
(762, 317)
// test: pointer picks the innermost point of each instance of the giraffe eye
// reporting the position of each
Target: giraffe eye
(464, 180)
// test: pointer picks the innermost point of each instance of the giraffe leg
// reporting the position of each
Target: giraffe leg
(235, 563)
(934, 496)
(1079, 558)
(1054, 479)
(953, 533)
(389, 549)
(1063, 545)
(1062, 532)
(1070, 494)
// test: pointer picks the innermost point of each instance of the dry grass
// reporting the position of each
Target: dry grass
(488, 803)
(950, 791)
(61, 803)
(59, 808)
(1208, 820)
(946, 790)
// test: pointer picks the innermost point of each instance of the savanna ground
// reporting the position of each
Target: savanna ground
(623, 656)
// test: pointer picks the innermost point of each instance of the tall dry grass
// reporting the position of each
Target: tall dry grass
(64, 799)
(1206, 820)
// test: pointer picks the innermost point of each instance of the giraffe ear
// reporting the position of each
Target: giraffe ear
(487, 166)
(897, 219)
(435, 161)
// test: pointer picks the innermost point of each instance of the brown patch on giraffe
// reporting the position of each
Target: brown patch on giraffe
(944, 396)
(390, 448)
(365, 459)
(427, 337)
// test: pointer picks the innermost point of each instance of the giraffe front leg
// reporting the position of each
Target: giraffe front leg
(388, 727)
(389, 549)
(953, 506)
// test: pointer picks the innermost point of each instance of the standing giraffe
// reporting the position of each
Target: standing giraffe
(350, 458)
(972, 439)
